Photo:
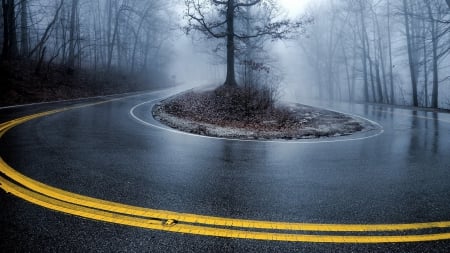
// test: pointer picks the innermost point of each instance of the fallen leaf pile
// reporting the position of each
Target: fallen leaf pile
(211, 109)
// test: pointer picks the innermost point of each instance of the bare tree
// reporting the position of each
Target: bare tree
(24, 47)
(391, 68)
(380, 62)
(411, 52)
(72, 31)
(40, 47)
(433, 18)
(388, 42)
(216, 19)
(9, 50)
(364, 51)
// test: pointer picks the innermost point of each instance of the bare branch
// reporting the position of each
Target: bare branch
(200, 23)
(49, 28)
(284, 29)
(246, 4)
(220, 2)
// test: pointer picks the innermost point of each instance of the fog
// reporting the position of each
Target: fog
(299, 60)
(208, 69)
(384, 51)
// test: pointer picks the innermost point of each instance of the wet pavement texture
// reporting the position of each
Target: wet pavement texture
(400, 176)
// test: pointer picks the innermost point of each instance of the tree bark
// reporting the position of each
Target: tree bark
(9, 50)
(230, 81)
(364, 54)
(74, 11)
(369, 58)
(378, 79)
(24, 47)
(136, 39)
(391, 75)
(383, 92)
(109, 42)
(347, 73)
(12, 29)
(5, 47)
(434, 42)
(411, 58)
(425, 63)
(372, 81)
(114, 35)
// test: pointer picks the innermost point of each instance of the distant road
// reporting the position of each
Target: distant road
(352, 194)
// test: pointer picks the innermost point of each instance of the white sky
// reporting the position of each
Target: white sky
(294, 7)
(194, 67)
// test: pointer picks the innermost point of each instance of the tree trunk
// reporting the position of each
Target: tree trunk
(78, 39)
(411, 58)
(369, 58)
(64, 16)
(391, 75)
(355, 59)
(364, 54)
(231, 78)
(5, 47)
(12, 29)
(383, 94)
(119, 47)
(425, 64)
(73, 13)
(136, 40)
(434, 41)
(372, 81)
(24, 47)
(378, 78)
(109, 43)
(9, 50)
(347, 73)
(329, 62)
(146, 53)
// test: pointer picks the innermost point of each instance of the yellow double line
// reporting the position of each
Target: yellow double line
(96, 209)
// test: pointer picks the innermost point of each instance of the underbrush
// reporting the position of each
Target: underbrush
(238, 106)
(22, 83)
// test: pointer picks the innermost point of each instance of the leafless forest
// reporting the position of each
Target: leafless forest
(380, 51)
(385, 51)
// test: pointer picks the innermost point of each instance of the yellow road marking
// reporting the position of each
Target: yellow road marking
(140, 222)
(75, 204)
(202, 219)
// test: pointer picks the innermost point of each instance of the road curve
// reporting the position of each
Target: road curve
(113, 151)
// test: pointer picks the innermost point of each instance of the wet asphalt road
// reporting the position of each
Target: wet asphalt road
(400, 176)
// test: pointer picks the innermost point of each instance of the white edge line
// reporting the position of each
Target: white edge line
(127, 94)
(310, 141)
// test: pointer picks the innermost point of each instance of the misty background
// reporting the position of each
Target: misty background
(381, 51)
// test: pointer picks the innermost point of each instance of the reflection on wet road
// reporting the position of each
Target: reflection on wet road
(400, 176)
